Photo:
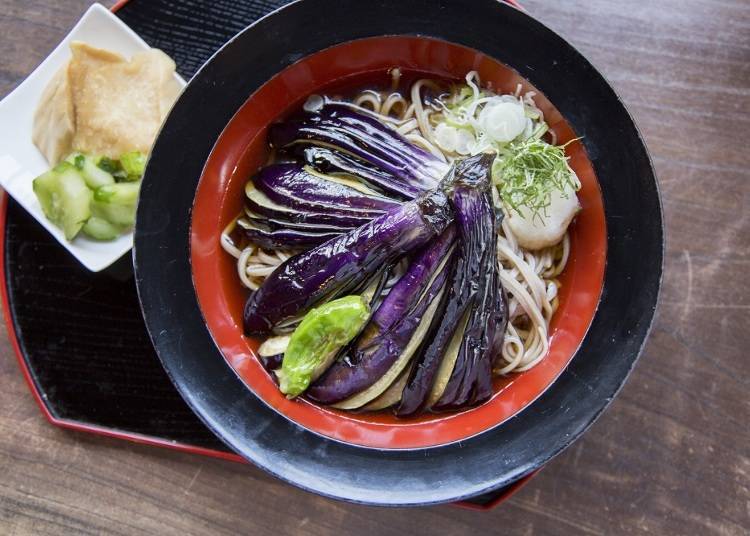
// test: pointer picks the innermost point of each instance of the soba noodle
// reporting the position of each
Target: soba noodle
(529, 277)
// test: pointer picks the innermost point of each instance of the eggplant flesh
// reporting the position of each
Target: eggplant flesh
(376, 354)
(292, 185)
(330, 161)
(441, 351)
(402, 361)
(274, 225)
(392, 395)
(413, 282)
(471, 378)
(446, 364)
(282, 238)
(344, 261)
(455, 368)
(393, 352)
(339, 126)
(258, 203)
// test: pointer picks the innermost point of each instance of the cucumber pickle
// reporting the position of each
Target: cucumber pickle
(80, 194)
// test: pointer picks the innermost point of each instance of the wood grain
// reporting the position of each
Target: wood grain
(670, 456)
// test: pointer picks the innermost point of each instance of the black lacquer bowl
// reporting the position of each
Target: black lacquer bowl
(179, 326)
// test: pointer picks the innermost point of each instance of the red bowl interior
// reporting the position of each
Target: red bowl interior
(242, 148)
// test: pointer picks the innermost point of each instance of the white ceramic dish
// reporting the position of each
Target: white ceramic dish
(21, 161)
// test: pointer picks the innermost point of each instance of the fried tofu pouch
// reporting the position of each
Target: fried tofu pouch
(100, 103)
(54, 119)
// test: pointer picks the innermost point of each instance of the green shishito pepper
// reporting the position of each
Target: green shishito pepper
(318, 339)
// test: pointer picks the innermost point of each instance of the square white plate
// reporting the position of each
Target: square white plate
(21, 161)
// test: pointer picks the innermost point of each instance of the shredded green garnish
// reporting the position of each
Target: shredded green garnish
(527, 172)
(462, 98)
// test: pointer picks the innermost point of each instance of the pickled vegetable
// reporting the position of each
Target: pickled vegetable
(64, 198)
(100, 229)
(113, 167)
(134, 164)
(91, 173)
(116, 203)
(123, 193)
(96, 195)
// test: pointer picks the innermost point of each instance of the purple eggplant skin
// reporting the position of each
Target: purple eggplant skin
(483, 362)
(468, 174)
(471, 379)
(495, 335)
(345, 261)
(370, 361)
(404, 293)
(309, 217)
(272, 224)
(327, 160)
(422, 377)
(291, 185)
(364, 136)
(272, 363)
(287, 238)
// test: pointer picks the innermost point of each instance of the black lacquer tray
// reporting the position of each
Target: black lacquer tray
(79, 336)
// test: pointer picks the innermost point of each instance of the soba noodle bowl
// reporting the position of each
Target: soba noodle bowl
(530, 277)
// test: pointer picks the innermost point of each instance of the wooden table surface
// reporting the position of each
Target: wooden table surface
(670, 456)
